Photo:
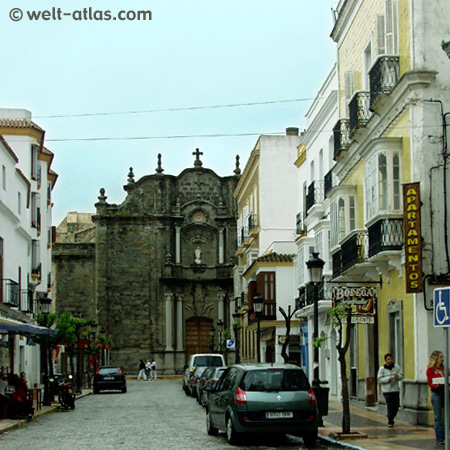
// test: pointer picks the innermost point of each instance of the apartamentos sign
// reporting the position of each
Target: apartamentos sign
(413, 237)
(362, 300)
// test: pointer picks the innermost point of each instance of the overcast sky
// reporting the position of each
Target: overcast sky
(136, 83)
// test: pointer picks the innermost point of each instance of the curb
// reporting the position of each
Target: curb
(340, 443)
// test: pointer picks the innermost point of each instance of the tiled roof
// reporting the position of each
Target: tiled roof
(275, 258)
(8, 148)
(19, 123)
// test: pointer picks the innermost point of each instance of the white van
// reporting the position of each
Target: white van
(199, 360)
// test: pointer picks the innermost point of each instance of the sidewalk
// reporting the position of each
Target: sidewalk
(379, 437)
(10, 424)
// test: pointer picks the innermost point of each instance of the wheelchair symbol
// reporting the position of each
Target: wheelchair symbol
(441, 312)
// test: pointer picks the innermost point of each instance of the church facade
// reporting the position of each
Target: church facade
(156, 269)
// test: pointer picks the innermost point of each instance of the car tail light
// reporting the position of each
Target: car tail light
(213, 382)
(240, 397)
(312, 397)
(120, 370)
(196, 381)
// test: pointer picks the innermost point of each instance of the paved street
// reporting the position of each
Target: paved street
(151, 415)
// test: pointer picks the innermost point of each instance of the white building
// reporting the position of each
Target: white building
(26, 183)
(266, 199)
(314, 182)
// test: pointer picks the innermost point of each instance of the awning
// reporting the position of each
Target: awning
(14, 326)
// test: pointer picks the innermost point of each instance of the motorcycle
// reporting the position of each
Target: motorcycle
(66, 392)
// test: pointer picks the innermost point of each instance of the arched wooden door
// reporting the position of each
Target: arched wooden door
(198, 338)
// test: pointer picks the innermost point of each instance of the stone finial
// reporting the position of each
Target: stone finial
(197, 162)
(159, 169)
(102, 198)
(237, 170)
(130, 176)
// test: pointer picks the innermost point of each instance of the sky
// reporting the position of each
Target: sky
(112, 94)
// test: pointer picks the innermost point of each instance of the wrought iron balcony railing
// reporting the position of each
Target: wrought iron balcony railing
(252, 222)
(385, 234)
(10, 292)
(383, 76)
(315, 194)
(359, 110)
(355, 249)
(341, 133)
(329, 181)
(300, 225)
(26, 301)
(337, 263)
(269, 312)
(306, 294)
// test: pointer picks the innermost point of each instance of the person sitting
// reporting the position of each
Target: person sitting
(20, 407)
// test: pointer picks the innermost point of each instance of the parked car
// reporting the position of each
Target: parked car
(109, 378)
(200, 360)
(209, 377)
(262, 398)
(193, 380)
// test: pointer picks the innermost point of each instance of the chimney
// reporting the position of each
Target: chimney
(292, 131)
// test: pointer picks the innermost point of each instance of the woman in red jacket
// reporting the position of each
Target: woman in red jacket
(435, 378)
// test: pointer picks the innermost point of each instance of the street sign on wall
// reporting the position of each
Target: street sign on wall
(442, 307)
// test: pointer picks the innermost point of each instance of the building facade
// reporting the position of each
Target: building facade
(155, 271)
(27, 181)
(265, 247)
(390, 152)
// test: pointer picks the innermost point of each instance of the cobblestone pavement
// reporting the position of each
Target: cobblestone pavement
(151, 415)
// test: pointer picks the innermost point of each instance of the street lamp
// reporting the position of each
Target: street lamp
(220, 330)
(236, 319)
(258, 307)
(212, 332)
(45, 302)
(315, 268)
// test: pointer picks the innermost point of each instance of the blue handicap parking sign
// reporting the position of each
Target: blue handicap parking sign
(442, 307)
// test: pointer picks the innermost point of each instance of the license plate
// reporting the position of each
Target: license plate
(108, 378)
(279, 415)
(69, 391)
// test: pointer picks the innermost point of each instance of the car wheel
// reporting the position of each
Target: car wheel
(202, 400)
(124, 390)
(211, 430)
(310, 439)
(232, 436)
(96, 391)
(186, 390)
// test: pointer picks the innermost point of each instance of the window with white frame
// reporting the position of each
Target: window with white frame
(34, 162)
(343, 218)
(382, 184)
(318, 245)
(301, 266)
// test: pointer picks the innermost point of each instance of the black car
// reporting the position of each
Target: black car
(110, 378)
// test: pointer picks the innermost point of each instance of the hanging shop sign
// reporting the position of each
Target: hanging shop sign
(362, 299)
(413, 237)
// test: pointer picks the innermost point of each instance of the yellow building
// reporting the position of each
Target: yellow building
(393, 89)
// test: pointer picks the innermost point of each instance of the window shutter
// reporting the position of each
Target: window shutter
(391, 27)
(348, 84)
(381, 31)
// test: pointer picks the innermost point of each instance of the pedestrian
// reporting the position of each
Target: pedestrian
(153, 370)
(142, 373)
(435, 378)
(148, 366)
(388, 377)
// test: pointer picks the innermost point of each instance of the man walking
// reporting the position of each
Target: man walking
(153, 370)
(388, 377)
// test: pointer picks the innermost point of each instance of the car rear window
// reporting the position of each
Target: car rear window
(212, 361)
(275, 380)
(109, 371)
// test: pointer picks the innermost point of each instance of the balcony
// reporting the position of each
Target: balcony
(337, 264)
(306, 294)
(300, 227)
(359, 110)
(315, 194)
(252, 222)
(329, 181)
(354, 250)
(341, 133)
(269, 312)
(384, 76)
(384, 235)
(26, 301)
(10, 292)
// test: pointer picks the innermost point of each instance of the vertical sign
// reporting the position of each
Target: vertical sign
(413, 237)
